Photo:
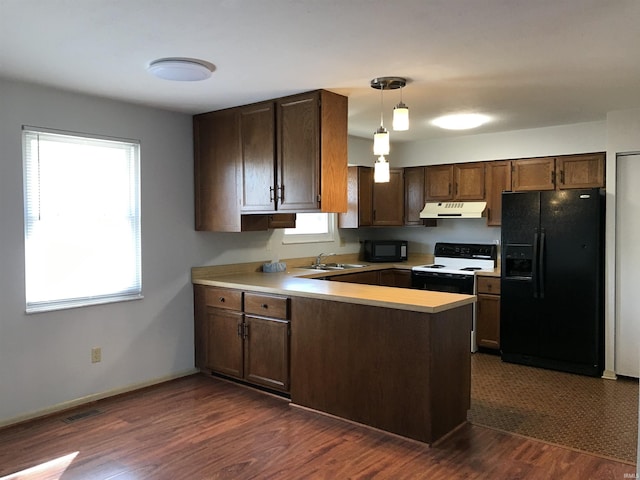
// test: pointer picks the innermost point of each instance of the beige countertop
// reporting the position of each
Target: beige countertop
(306, 282)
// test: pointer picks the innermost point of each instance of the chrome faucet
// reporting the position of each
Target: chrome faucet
(321, 256)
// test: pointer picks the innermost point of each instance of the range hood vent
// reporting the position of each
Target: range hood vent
(453, 210)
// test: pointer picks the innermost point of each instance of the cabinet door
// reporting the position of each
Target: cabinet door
(469, 181)
(533, 174)
(257, 133)
(224, 342)
(395, 277)
(498, 179)
(488, 321)
(366, 278)
(217, 158)
(388, 201)
(359, 198)
(298, 152)
(439, 182)
(266, 359)
(580, 171)
(413, 195)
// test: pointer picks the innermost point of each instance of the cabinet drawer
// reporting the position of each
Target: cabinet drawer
(490, 285)
(266, 305)
(223, 298)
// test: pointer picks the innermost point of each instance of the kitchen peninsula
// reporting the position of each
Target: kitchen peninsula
(392, 358)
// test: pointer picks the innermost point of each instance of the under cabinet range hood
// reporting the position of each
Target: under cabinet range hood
(453, 210)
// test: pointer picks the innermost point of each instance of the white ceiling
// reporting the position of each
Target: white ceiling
(526, 63)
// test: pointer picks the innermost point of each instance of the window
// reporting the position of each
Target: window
(82, 220)
(311, 227)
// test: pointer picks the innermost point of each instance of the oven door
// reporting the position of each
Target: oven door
(442, 282)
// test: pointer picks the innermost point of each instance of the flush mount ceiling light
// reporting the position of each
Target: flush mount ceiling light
(181, 69)
(461, 121)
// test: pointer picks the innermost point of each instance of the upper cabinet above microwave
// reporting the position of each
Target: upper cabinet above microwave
(286, 155)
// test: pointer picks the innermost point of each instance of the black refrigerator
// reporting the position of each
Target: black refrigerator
(552, 281)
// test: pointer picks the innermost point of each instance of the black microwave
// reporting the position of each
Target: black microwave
(385, 250)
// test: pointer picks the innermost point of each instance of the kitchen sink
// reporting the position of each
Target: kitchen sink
(336, 266)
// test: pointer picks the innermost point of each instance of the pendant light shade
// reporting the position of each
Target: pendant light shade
(381, 141)
(401, 117)
(381, 171)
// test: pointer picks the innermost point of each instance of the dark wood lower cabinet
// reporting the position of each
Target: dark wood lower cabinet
(392, 277)
(224, 344)
(250, 343)
(401, 371)
(266, 354)
(367, 278)
(395, 277)
(488, 313)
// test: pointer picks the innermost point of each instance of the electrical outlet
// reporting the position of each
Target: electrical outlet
(96, 355)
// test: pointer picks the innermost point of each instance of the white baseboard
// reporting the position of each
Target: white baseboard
(94, 397)
(609, 375)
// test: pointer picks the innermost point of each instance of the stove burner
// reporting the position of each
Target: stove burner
(470, 269)
(435, 265)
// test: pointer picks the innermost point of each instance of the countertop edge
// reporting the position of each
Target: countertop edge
(346, 293)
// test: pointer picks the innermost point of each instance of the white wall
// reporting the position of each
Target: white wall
(45, 358)
(539, 142)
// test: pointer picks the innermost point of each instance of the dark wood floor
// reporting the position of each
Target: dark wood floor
(199, 427)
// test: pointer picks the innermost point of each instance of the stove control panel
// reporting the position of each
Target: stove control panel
(466, 250)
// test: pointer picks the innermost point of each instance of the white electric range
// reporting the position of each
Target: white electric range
(454, 270)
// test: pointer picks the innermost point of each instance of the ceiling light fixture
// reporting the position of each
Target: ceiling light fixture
(181, 69)
(461, 121)
(381, 145)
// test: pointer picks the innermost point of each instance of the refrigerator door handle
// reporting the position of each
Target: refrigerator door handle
(534, 266)
(541, 264)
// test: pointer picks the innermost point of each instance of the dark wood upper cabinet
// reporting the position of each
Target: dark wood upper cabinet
(533, 174)
(497, 180)
(373, 204)
(462, 181)
(258, 174)
(388, 201)
(216, 168)
(559, 173)
(285, 155)
(360, 198)
(439, 183)
(580, 171)
(298, 153)
(468, 180)
(414, 190)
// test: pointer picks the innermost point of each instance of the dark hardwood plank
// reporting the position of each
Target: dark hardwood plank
(200, 427)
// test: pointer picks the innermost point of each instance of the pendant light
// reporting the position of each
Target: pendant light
(401, 116)
(381, 145)
(381, 170)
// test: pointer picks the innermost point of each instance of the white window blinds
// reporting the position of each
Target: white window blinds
(82, 220)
